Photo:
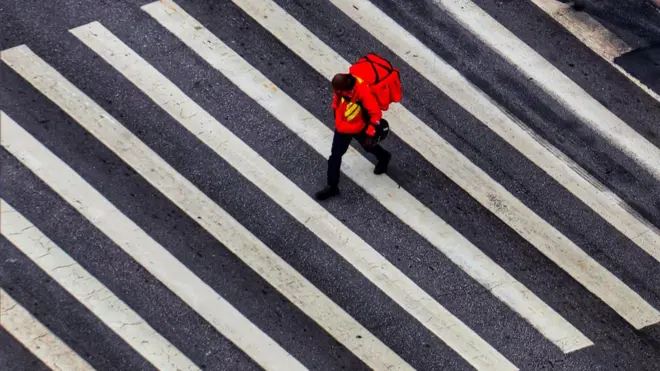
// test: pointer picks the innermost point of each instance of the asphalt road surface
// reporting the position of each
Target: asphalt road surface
(159, 162)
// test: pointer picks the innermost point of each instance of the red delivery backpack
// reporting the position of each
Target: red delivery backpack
(381, 76)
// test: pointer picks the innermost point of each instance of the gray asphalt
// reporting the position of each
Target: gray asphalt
(43, 26)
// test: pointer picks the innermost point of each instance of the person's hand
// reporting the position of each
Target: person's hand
(371, 130)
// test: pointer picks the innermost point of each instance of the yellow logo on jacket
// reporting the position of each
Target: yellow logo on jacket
(352, 110)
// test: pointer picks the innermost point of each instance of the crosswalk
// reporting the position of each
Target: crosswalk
(26, 329)
(157, 209)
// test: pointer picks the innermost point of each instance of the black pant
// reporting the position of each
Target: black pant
(340, 143)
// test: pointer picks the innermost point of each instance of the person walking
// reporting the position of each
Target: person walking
(357, 115)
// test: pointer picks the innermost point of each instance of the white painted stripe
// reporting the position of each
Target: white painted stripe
(592, 34)
(383, 188)
(256, 169)
(553, 81)
(555, 163)
(119, 228)
(196, 204)
(450, 161)
(111, 310)
(534, 147)
(586, 29)
(37, 338)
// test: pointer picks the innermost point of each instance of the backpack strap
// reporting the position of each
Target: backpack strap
(374, 68)
(388, 67)
(373, 64)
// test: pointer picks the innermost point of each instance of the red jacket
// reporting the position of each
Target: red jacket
(348, 114)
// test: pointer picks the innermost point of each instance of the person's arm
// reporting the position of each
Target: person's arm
(335, 101)
(370, 104)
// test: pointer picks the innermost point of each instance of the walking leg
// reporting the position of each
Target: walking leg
(382, 155)
(340, 143)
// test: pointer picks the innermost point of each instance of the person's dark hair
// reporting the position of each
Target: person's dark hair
(343, 82)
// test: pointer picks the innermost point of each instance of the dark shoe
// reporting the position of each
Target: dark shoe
(578, 5)
(381, 166)
(327, 192)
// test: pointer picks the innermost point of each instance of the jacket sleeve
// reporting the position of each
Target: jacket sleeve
(335, 101)
(369, 103)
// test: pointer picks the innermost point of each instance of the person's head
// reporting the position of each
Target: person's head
(343, 82)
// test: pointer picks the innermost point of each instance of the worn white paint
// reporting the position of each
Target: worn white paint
(544, 237)
(543, 154)
(554, 82)
(202, 209)
(386, 191)
(113, 223)
(538, 150)
(37, 338)
(107, 307)
(592, 34)
(346, 243)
